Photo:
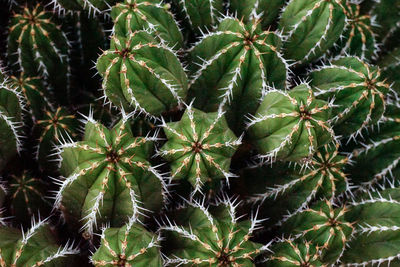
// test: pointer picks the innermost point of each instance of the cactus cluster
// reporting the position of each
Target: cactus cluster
(209, 133)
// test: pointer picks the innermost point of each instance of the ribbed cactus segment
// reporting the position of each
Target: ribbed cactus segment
(290, 125)
(108, 177)
(266, 10)
(34, 94)
(390, 65)
(359, 37)
(153, 15)
(11, 106)
(27, 197)
(323, 225)
(199, 148)
(211, 236)
(233, 67)
(142, 74)
(383, 149)
(312, 27)
(376, 240)
(200, 14)
(358, 91)
(36, 247)
(39, 47)
(294, 190)
(387, 13)
(288, 253)
(130, 245)
(92, 6)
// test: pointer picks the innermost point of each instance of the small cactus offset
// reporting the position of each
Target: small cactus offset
(199, 147)
(130, 245)
(200, 133)
(302, 127)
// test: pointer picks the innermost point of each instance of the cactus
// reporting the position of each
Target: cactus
(3, 193)
(93, 7)
(36, 247)
(290, 126)
(288, 253)
(359, 38)
(108, 176)
(199, 148)
(324, 226)
(211, 236)
(226, 60)
(130, 245)
(11, 106)
(376, 237)
(135, 15)
(312, 27)
(266, 10)
(358, 91)
(39, 47)
(387, 13)
(142, 75)
(390, 65)
(200, 14)
(292, 191)
(27, 197)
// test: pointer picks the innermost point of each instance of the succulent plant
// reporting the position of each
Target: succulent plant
(35, 247)
(130, 245)
(290, 125)
(387, 13)
(223, 62)
(108, 177)
(358, 92)
(39, 47)
(390, 67)
(142, 75)
(92, 6)
(323, 225)
(199, 148)
(211, 236)
(312, 28)
(136, 15)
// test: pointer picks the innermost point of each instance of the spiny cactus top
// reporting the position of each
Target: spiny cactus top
(323, 225)
(312, 27)
(224, 63)
(291, 125)
(11, 106)
(358, 91)
(39, 47)
(199, 147)
(288, 253)
(135, 15)
(36, 247)
(108, 176)
(130, 245)
(142, 75)
(211, 237)
(92, 6)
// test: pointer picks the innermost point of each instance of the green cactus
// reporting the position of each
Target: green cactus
(11, 106)
(211, 236)
(358, 90)
(288, 253)
(312, 28)
(40, 48)
(390, 66)
(234, 67)
(323, 225)
(142, 75)
(135, 15)
(383, 149)
(375, 240)
(387, 13)
(93, 7)
(130, 245)
(108, 176)
(27, 197)
(200, 15)
(290, 126)
(296, 188)
(36, 247)
(359, 37)
(199, 148)
(266, 10)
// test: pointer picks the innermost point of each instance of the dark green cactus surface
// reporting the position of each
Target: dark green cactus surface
(200, 133)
